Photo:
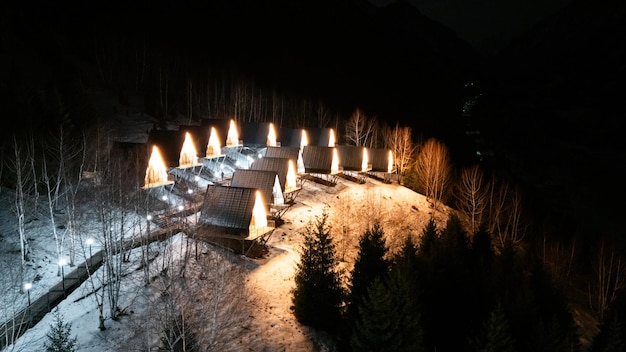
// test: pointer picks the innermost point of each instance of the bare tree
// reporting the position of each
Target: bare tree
(610, 272)
(223, 318)
(324, 116)
(52, 182)
(359, 128)
(19, 166)
(472, 196)
(343, 226)
(77, 157)
(400, 141)
(433, 170)
(504, 214)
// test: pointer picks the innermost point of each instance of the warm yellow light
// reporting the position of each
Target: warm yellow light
(233, 135)
(259, 217)
(271, 136)
(334, 166)
(156, 173)
(365, 161)
(304, 140)
(331, 138)
(290, 182)
(188, 154)
(390, 162)
(213, 148)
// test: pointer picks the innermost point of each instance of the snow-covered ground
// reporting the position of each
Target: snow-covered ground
(268, 281)
(265, 283)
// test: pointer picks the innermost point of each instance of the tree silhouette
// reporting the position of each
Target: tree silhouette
(496, 334)
(318, 295)
(383, 324)
(370, 264)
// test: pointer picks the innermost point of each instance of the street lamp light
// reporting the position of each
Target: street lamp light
(89, 243)
(27, 287)
(62, 263)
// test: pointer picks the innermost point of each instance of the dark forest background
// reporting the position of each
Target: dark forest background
(548, 106)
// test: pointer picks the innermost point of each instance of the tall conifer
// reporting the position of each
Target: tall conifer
(318, 295)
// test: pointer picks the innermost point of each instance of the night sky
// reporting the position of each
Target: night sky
(486, 24)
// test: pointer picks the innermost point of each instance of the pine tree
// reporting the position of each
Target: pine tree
(614, 340)
(610, 337)
(382, 324)
(453, 237)
(318, 295)
(406, 263)
(428, 240)
(370, 264)
(59, 335)
(496, 334)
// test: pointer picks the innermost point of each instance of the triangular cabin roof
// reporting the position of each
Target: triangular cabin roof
(254, 134)
(278, 165)
(289, 137)
(317, 159)
(262, 180)
(228, 209)
(350, 157)
(318, 136)
(169, 142)
(283, 152)
(379, 158)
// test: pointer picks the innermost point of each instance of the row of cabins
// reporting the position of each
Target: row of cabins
(266, 181)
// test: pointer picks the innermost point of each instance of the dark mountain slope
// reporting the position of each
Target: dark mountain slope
(554, 110)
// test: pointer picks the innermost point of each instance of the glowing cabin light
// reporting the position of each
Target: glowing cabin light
(304, 140)
(271, 136)
(259, 217)
(290, 182)
(233, 135)
(156, 173)
(213, 148)
(331, 138)
(188, 154)
(365, 161)
(334, 166)
(390, 162)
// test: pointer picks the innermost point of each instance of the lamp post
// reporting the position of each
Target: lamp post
(62, 262)
(89, 243)
(27, 287)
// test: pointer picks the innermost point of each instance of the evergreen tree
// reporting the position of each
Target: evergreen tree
(370, 264)
(482, 248)
(59, 335)
(406, 265)
(496, 334)
(610, 337)
(428, 240)
(614, 340)
(454, 238)
(383, 325)
(318, 295)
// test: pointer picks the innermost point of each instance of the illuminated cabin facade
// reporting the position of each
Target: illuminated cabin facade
(232, 212)
(278, 165)
(265, 181)
(353, 158)
(321, 160)
(382, 160)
